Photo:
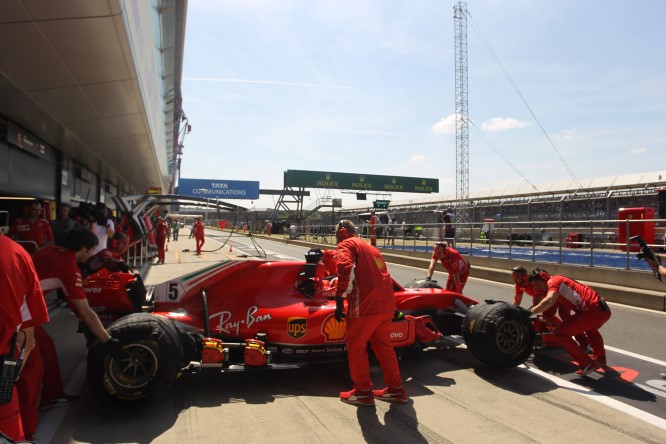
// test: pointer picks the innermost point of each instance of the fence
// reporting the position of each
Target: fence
(595, 243)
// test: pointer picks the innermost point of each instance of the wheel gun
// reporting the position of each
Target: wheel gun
(646, 252)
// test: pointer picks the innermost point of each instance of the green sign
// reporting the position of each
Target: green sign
(364, 182)
(384, 204)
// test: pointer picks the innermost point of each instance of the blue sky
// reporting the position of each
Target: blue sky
(367, 86)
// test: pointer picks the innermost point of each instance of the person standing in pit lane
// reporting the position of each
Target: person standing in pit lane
(102, 226)
(175, 229)
(32, 227)
(449, 229)
(372, 228)
(456, 265)
(199, 236)
(22, 307)
(392, 228)
(57, 268)
(364, 280)
(590, 312)
(63, 224)
(161, 238)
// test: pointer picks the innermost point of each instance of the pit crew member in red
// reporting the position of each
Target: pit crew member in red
(57, 268)
(111, 259)
(161, 238)
(365, 282)
(21, 307)
(590, 312)
(522, 285)
(32, 227)
(198, 230)
(456, 265)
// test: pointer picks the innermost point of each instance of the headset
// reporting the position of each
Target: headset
(441, 244)
(538, 273)
(520, 270)
(342, 231)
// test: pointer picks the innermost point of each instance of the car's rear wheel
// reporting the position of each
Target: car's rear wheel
(496, 334)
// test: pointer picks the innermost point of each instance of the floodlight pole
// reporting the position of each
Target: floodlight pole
(462, 120)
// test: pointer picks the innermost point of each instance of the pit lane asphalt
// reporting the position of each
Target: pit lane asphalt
(454, 399)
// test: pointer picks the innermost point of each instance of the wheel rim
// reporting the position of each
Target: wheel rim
(509, 336)
(136, 368)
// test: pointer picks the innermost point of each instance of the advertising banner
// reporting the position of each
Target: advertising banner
(219, 189)
(367, 182)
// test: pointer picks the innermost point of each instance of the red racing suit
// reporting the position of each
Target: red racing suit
(373, 229)
(198, 230)
(364, 280)
(531, 290)
(590, 313)
(57, 268)
(39, 231)
(21, 306)
(161, 231)
(455, 264)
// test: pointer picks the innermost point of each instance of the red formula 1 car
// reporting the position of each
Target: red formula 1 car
(241, 315)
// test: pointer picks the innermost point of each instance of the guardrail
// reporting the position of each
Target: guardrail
(593, 243)
(138, 252)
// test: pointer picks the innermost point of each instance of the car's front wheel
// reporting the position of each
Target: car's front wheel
(150, 360)
(496, 334)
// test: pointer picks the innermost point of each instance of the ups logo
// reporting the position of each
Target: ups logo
(296, 327)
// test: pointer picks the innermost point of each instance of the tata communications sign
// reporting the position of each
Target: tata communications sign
(219, 189)
(369, 182)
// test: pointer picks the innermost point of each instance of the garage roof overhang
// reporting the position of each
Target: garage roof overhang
(98, 80)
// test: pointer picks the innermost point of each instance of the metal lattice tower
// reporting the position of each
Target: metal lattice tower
(462, 122)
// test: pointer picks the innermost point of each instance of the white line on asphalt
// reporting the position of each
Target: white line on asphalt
(636, 355)
(584, 391)
(610, 402)
(278, 255)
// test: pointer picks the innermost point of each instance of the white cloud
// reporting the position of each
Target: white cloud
(503, 123)
(638, 151)
(567, 134)
(417, 158)
(447, 125)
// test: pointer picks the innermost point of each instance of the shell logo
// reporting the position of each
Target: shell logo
(334, 330)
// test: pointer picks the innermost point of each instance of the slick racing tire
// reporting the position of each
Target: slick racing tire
(497, 335)
(423, 283)
(151, 359)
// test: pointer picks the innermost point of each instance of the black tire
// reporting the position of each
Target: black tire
(422, 283)
(497, 335)
(151, 360)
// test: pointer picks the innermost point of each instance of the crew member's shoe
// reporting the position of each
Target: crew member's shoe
(59, 402)
(358, 397)
(587, 369)
(663, 376)
(397, 395)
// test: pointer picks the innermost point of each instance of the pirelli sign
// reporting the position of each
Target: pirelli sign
(365, 182)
